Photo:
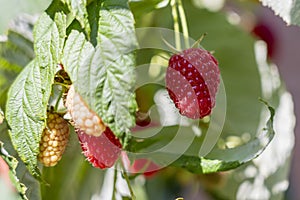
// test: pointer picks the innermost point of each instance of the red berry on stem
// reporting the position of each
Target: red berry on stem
(101, 151)
(99, 144)
(145, 166)
(192, 81)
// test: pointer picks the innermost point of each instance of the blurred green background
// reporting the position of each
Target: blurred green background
(12, 8)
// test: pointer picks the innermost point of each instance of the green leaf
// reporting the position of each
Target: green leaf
(289, 11)
(16, 51)
(76, 47)
(12, 164)
(25, 114)
(116, 43)
(28, 96)
(141, 7)
(216, 160)
(49, 36)
(79, 11)
(105, 76)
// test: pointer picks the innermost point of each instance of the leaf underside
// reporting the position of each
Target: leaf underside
(289, 11)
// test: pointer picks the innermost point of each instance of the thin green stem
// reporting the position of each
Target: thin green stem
(176, 24)
(58, 100)
(115, 182)
(196, 44)
(184, 26)
(62, 84)
(127, 181)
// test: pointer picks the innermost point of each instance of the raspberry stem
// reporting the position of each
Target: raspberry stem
(58, 99)
(176, 24)
(115, 183)
(62, 84)
(197, 43)
(183, 21)
(127, 181)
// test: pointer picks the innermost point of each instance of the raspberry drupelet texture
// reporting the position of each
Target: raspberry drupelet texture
(99, 144)
(192, 81)
(101, 151)
(54, 140)
(83, 117)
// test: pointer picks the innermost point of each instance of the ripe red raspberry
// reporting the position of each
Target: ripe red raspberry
(101, 151)
(83, 117)
(192, 81)
(145, 166)
(54, 140)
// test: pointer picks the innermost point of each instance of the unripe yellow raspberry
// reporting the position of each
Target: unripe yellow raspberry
(84, 118)
(54, 140)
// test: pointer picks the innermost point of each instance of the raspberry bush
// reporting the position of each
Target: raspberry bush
(85, 117)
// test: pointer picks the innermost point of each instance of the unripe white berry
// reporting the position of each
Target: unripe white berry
(83, 117)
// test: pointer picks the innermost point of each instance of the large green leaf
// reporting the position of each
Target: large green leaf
(289, 11)
(225, 159)
(49, 36)
(116, 43)
(155, 148)
(28, 96)
(76, 47)
(26, 114)
(104, 75)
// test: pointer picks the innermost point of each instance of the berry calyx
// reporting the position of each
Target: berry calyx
(192, 81)
(101, 151)
(83, 117)
(54, 140)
